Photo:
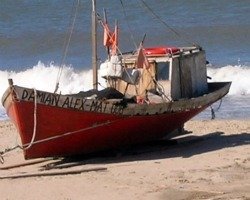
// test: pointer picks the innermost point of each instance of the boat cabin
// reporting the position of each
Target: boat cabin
(171, 74)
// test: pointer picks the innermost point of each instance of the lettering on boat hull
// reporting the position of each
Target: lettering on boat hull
(69, 102)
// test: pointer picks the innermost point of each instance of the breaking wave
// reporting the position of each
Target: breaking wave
(239, 76)
(43, 77)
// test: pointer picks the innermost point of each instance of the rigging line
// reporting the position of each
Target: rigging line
(215, 110)
(32, 141)
(67, 41)
(161, 90)
(129, 27)
(79, 131)
(164, 23)
(159, 86)
(35, 123)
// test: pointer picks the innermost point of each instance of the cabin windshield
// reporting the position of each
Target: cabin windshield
(162, 71)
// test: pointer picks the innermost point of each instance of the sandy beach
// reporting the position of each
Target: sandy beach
(212, 162)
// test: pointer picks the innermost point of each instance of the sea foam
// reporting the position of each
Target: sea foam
(44, 77)
(239, 76)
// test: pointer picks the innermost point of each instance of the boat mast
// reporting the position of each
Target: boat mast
(94, 45)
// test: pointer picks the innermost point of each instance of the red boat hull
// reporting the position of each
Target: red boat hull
(114, 131)
(65, 132)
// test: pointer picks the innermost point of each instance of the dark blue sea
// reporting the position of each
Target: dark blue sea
(33, 36)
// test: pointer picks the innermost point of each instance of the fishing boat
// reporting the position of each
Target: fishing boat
(150, 93)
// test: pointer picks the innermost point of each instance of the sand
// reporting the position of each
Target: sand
(212, 162)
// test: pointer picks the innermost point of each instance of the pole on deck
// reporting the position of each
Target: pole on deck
(94, 46)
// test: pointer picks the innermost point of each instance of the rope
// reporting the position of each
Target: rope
(216, 110)
(35, 124)
(6, 151)
(164, 23)
(74, 132)
(66, 43)
(33, 135)
(162, 91)
(159, 87)
(129, 27)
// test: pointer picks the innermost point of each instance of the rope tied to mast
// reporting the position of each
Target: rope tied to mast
(129, 27)
(67, 42)
(156, 16)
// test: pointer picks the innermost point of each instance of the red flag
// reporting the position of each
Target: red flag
(114, 41)
(142, 59)
(106, 35)
(110, 39)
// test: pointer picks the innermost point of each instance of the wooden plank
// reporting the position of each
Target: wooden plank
(24, 164)
(55, 173)
(62, 165)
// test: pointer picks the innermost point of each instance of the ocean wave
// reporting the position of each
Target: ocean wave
(237, 74)
(43, 77)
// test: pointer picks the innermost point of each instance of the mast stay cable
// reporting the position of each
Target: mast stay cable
(145, 5)
(67, 40)
(129, 27)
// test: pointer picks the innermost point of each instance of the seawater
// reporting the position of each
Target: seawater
(32, 37)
